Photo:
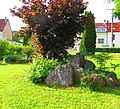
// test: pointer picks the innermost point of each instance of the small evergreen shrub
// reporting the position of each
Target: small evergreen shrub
(40, 68)
(11, 59)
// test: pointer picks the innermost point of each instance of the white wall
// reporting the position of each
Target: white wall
(100, 36)
(117, 39)
(1, 34)
(103, 36)
(110, 39)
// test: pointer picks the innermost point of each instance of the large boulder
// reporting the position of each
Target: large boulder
(63, 75)
(78, 73)
(68, 74)
(111, 79)
(89, 65)
(77, 63)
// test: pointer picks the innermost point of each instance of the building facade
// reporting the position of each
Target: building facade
(108, 35)
(5, 29)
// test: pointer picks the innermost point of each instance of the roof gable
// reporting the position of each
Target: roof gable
(2, 24)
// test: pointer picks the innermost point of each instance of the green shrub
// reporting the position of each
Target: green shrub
(16, 59)
(41, 68)
(8, 48)
(9, 51)
(88, 82)
(11, 59)
(101, 60)
(3, 48)
(16, 49)
(28, 51)
(109, 50)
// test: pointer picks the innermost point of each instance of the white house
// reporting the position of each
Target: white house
(5, 29)
(108, 36)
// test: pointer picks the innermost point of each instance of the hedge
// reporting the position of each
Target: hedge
(109, 50)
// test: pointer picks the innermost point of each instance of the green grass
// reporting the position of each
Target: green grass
(115, 59)
(17, 92)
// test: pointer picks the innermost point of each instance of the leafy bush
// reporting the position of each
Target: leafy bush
(40, 68)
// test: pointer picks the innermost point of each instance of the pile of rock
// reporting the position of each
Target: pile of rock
(109, 80)
(70, 74)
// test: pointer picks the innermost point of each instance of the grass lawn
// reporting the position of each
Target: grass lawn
(17, 92)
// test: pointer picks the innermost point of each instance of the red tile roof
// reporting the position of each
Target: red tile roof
(2, 24)
(115, 29)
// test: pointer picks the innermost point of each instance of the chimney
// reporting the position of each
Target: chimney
(5, 19)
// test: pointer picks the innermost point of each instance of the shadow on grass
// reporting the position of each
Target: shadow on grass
(111, 90)
(1, 63)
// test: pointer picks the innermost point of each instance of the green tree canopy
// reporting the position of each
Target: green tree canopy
(117, 9)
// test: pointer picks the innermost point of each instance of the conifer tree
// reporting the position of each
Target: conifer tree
(88, 42)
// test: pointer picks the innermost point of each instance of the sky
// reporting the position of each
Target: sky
(98, 7)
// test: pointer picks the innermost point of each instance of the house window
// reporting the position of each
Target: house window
(113, 37)
(101, 29)
(100, 41)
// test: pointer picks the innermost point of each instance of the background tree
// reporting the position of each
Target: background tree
(16, 36)
(23, 36)
(117, 9)
(88, 42)
(109, 1)
(53, 24)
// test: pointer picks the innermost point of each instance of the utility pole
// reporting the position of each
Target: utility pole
(112, 26)
(106, 23)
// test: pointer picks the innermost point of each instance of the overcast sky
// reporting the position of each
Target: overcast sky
(98, 8)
